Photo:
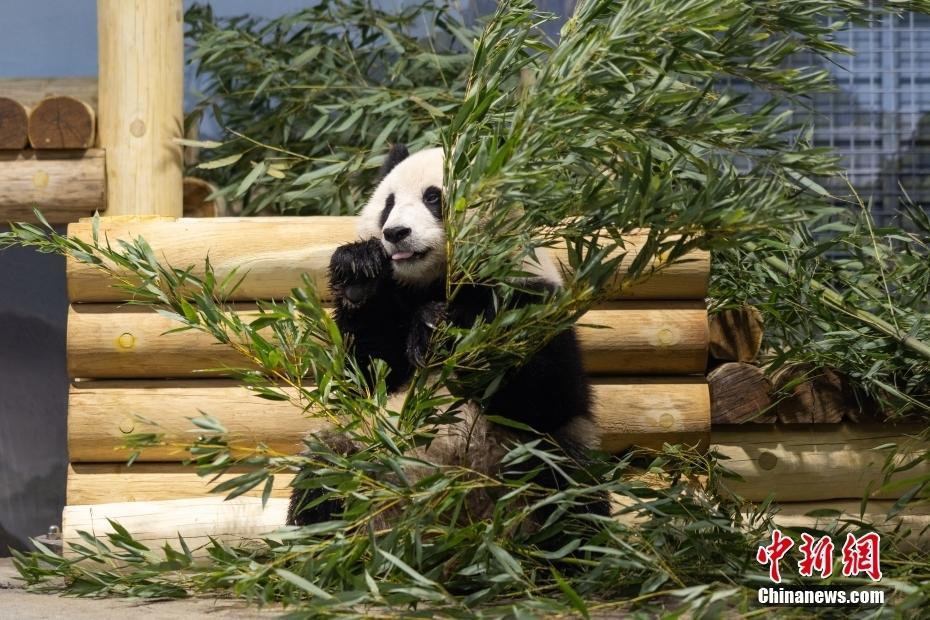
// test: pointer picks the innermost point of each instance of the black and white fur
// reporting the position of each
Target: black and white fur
(389, 293)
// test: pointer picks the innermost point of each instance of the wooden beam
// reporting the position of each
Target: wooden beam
(651, 411)
(104, 483)
(141, 60)
(14, 124)
(196, 519)
(100, 414)
(272, 253)
(63, 185)
(30, 91)
(912, 524)
(816, 462)
(62, 123)
(631, 338)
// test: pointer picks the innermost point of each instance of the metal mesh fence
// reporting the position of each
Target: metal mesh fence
(879, 117)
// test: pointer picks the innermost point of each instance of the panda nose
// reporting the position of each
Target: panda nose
(394, 234)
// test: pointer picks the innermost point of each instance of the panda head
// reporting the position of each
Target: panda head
(405, 213)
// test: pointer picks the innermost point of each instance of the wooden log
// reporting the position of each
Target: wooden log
(815, 462)
(105, 483)
(645, 338)
(100, 413)
(14, 124)
(649, 412)
(62, 123)
(63, 185)
(141, 60)
(196, 519)
(815, 395)
(30, 91)
(740, 393)
(736, 334)
(273, 252)
(688, 278)
(912, 524)
(197, 201)
(155, 523)
(113, 341)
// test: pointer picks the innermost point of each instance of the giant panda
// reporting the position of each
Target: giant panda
(389, 294)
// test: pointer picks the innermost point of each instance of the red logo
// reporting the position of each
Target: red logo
(860, 555)
(771, 554)
(818, 556)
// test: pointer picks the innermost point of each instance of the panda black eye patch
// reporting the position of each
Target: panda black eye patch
(388, 205)
(432, 198)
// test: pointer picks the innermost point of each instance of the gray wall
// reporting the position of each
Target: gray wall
(33, 394)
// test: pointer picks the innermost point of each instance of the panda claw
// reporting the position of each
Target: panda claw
(356, 268)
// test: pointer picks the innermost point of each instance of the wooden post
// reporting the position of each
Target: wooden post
(141, 97)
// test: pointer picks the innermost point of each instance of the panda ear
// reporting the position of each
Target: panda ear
(397, 154)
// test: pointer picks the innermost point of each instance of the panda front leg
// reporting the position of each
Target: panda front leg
(370, 312)
(367, 313)
(426, 319)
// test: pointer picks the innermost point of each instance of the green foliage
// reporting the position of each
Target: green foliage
(840, 293)
(432, 554)
(310, 100)
(621, 125)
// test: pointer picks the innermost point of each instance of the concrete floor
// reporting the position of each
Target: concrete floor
(17, 604)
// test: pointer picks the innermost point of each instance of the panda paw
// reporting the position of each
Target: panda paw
(428, 318)
(356, 270)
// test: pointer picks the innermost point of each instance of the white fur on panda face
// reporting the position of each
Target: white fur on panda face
(420, 257)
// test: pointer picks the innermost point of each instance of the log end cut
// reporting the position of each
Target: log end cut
(14, 124)
(62, 123)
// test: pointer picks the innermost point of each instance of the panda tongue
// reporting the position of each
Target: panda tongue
(401, 255)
